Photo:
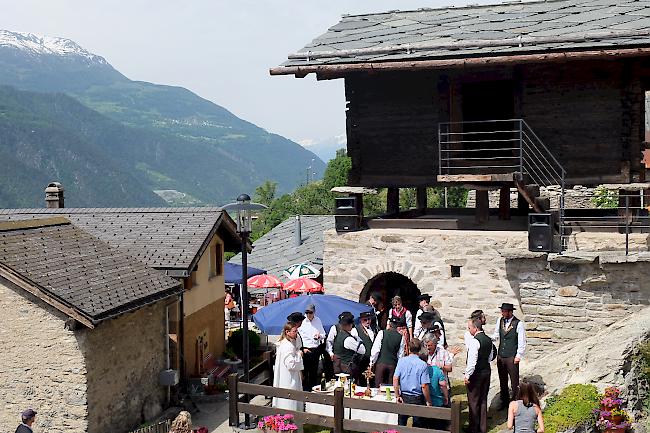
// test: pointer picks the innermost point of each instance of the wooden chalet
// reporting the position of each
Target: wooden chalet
(523, 94)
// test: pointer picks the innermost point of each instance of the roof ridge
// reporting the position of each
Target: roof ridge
(6, 226)
(91, 210)
(455, 8)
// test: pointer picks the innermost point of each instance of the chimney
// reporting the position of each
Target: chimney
(54, 195)
(297, 233)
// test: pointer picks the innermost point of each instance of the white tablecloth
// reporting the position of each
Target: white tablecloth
(358, 414)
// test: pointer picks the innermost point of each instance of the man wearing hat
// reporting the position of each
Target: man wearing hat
(423, 300)
(377, 304)
(388, 348)
(345, 346)
(511, 334)
(28, 417)
(313, 337)
(366, 334)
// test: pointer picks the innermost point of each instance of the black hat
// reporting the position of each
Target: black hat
(427, 317)
(346, 319)
(507, 306)
(398, 321)
(346, 313)
(424, 297)
(366, 314)
(296, 317)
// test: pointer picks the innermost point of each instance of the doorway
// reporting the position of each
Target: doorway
(389, 284)
(490, 147)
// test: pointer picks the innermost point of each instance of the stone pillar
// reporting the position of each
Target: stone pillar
(482, 205)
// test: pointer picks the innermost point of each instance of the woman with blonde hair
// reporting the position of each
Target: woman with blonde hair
(399, 310)
(182, 423)
(288, 367)
(524, 412)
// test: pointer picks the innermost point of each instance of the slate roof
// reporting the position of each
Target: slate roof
(78, 270)
(276, 250)
(163, 238)
(480, 31)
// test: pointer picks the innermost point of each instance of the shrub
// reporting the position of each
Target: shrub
(604, 198)
(235, 343)
(572, 407)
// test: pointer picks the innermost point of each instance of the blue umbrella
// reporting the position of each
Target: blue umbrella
(271, 319)
(232, 272)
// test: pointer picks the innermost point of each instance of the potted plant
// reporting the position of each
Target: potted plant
(277, 423)
(611, 418)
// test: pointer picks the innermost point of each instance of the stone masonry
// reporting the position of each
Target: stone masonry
(562, 298)
(89, 380)
(41, 366)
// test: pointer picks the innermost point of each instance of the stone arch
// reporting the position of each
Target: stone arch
(389, 284)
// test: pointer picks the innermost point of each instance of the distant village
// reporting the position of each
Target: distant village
(477, 259)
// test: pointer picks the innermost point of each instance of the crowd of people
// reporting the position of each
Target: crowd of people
(411, 353)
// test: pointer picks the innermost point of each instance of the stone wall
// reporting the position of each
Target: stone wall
(124, 357)
(41, 365)
(495, 267)
(571, 297)
(578, 197)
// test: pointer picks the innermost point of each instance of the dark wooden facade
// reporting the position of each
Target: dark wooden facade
(589, 113)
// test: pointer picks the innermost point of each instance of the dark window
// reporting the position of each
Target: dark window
(455, 271)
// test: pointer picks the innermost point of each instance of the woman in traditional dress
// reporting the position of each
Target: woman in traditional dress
(399, 310)
(288, 367)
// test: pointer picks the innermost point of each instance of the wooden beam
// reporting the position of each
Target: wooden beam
(482, 206)
(421, 197)
(504, 203)
(36, 290)
(331, 70)
(233, 413)
(469, 178)
(392, 200)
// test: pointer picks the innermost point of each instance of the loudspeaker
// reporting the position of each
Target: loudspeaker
(540, 232)
(346, 223)
(346, 206)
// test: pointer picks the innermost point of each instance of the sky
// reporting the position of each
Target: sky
(221, 50)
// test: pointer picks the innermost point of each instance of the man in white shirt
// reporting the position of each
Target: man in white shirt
(480, 352)
(423, 300)
(313, 336)
(511, 333)
(387, 349)
(344, 347)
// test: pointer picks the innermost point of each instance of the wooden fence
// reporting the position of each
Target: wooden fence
(337, 422)
(161, 427)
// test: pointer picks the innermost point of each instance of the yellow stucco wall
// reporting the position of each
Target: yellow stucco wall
(207, 289)
(204, 308)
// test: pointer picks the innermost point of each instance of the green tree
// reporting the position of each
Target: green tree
(265, 193)
(336, 173)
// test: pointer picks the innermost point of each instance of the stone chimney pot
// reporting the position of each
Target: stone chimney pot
(54, 195)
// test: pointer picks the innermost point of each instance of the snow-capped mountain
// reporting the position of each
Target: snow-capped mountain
(47, 45)
(325, 148)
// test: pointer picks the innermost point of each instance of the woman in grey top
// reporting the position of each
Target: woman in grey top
(523, 413)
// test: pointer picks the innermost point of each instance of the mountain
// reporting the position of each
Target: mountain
(170, 140)
(325, 148)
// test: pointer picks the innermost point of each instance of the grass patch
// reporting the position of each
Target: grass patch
(572, 407)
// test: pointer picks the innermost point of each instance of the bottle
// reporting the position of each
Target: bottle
(388, 397)
(353, 388)
(323, 383)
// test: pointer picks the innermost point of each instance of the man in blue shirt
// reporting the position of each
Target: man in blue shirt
(411, 382)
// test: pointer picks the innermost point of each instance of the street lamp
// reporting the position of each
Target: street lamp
(244, 209)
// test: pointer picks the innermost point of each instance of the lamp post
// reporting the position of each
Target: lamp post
(244, 209)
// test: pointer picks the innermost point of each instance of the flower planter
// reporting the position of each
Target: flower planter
(615, 430)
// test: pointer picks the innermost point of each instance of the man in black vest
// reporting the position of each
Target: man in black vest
(366, 334)
(388, 348)
(512, 345)
(345, 346)
(480, 352)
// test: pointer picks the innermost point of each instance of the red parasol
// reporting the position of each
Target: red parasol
(304, 285)
(264, 281)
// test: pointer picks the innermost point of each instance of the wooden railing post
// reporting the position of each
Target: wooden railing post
(455, 417)
(233, 399)
(269, 365)
(338, 410)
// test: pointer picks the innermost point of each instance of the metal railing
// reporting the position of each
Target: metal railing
(623, 213)
(507, 147)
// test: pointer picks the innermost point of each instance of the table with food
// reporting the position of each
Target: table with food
(382, 393)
